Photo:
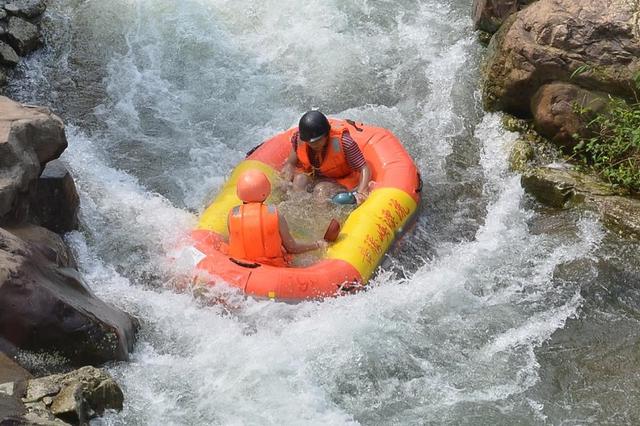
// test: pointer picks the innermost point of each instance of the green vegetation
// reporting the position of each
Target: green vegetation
(614, 150)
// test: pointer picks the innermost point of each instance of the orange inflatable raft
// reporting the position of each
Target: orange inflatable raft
(364, 238)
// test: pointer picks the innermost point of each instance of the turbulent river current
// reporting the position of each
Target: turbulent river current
(492, 310)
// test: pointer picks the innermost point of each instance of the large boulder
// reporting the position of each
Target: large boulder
(55, 201)
(488, 15)
(47, 307)
(595, 44)
(29, 138)
(562, 111)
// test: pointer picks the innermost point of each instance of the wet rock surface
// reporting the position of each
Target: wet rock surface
(46, 306)
(563, 188)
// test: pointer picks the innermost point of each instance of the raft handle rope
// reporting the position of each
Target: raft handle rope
(252, 150)
(245, 264)
(353, 123)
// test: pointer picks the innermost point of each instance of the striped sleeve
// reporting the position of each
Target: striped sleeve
(352, 152)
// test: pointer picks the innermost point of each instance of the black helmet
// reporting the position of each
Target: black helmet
(313, 125)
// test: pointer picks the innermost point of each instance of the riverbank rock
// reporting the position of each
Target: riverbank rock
(29, 138)
(561, 187)
(45, 306)
(595, 44)
(75, 397)
(55, 201)
(8, 56)
(488, 15)
(26, 8)
(561, 111)
(23, 36)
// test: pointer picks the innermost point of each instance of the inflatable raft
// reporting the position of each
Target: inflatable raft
(365, 236)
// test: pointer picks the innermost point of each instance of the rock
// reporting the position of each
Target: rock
(555, 112)
(3, 13)
(77, 396)
(29, 138)
(10, 371)
(47, 243)
(8, 56)
(45, 307)
(620, 214)
(12, 386)
(55, 202)
(560, 188)
(38, 414)
(488, 15)
(23, 36)
(26, 8)
(595, 42)
(520, 156)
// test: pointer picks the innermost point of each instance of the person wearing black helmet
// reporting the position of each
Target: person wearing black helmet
(325, 159)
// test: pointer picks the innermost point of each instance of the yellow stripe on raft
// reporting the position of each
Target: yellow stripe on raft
(369, 231)
(215, 216)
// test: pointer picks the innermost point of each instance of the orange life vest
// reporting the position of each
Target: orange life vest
(334, 162)
(254, 234)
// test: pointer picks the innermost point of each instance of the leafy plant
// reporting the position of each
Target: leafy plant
(614, 151)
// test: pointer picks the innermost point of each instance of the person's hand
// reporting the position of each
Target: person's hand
(322, 244)
(287, 174)
(360, 197)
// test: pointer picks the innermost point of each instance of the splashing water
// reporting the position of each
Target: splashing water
(162, 98)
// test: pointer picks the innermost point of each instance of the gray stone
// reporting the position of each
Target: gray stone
(26, 8)
(8, 56)
(562, 188)
(23, 36)
(80, 395)
(620, 214)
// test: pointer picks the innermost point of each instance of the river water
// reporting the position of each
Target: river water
(493, 310)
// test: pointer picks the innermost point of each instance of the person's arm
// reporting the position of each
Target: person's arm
(362, 190)
(357, 162)
(290, 244)
(290, 166)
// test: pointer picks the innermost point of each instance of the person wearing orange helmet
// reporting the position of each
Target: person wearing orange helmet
(325, 159)
(258, 232)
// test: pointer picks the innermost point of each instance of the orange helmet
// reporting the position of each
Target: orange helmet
(253, 186)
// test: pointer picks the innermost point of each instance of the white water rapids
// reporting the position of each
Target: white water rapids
(162, 98)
